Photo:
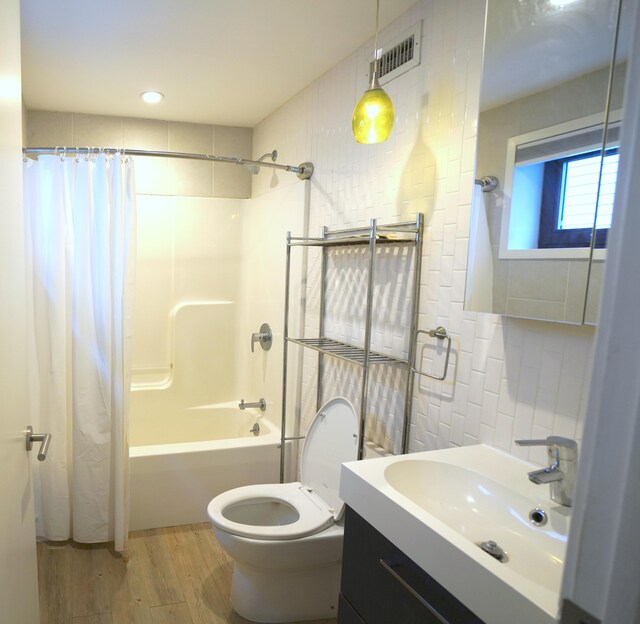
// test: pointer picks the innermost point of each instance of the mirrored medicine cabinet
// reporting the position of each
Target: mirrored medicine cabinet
(549, 131)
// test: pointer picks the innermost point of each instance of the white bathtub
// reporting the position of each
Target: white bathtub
(181, 458)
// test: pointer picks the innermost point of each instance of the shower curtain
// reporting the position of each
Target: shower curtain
(80, 230)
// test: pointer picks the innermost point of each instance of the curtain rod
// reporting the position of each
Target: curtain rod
(304, 170)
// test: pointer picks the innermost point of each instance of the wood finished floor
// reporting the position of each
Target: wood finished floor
(177, 575)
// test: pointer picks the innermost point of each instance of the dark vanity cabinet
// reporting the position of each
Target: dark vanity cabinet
(381, 585)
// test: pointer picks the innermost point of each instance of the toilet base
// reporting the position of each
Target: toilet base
(285, 596)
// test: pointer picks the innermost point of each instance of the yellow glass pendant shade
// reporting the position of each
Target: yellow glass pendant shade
(373, 116)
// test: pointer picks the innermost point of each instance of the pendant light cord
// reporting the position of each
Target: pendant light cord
(374, 76)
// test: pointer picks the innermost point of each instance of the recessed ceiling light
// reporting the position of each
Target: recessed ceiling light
(152, 97)
(560, 3)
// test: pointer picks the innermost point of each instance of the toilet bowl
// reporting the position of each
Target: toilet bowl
(286, 538)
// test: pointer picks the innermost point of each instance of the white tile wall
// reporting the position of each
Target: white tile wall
(509, 377)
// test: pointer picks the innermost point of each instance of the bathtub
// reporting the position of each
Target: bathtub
(179, 459)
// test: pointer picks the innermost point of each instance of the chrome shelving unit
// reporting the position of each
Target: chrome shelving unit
(405, 233)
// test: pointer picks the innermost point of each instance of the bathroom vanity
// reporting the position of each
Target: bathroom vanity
(457, 535)
(381, 584)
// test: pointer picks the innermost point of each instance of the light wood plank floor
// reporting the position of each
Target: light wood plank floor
(177, 575)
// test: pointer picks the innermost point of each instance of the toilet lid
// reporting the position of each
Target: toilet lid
(331, 440)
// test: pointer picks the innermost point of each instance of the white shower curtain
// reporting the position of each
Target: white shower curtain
(80, 229)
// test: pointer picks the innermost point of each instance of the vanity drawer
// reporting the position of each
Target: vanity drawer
(383, 585)
(346, 613)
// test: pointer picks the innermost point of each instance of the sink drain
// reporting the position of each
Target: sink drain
(538, 517)
(492, 548)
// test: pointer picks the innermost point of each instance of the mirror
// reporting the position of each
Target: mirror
(551, 98)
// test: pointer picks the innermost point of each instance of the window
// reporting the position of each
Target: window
(552, 185)
(570, 190)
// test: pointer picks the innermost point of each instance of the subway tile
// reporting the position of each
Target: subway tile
(506, 398)
(469, 440)
(550, 370)
(544, 412)
(523, 421)
(473, 420)
(528, 385)
(493, 375)
(490, 408)
(480, 354)
(503, 436)
(476, 388)
(486, 434)
(569, 396)
(457, 429)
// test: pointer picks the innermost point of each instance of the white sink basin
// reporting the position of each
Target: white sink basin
(439, 506)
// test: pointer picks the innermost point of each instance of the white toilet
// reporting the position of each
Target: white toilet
(286, 538)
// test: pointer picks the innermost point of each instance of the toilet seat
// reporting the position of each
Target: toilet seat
(312, 517)
(331, 440)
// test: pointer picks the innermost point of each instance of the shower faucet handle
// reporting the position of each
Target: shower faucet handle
(264, 337)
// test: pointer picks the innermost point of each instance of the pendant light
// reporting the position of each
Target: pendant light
(373, 115)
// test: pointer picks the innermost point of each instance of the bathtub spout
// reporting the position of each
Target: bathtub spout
(262, 404)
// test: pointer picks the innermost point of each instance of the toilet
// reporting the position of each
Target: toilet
(286, 538)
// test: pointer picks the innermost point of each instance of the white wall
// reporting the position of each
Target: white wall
(511, 378)
(266, 221)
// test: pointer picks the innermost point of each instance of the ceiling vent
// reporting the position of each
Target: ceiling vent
(399, 55)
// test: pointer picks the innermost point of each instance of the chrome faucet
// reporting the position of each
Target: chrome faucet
(561, 473)
(261, 404)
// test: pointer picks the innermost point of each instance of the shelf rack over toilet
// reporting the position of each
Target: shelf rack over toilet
(402, 233)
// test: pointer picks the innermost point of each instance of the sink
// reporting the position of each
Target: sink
(439, 506)
(481, 509)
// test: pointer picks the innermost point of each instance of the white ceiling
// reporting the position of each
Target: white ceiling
(229, 62)
(233, 62)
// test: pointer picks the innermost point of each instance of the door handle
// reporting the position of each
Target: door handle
(45, 438)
